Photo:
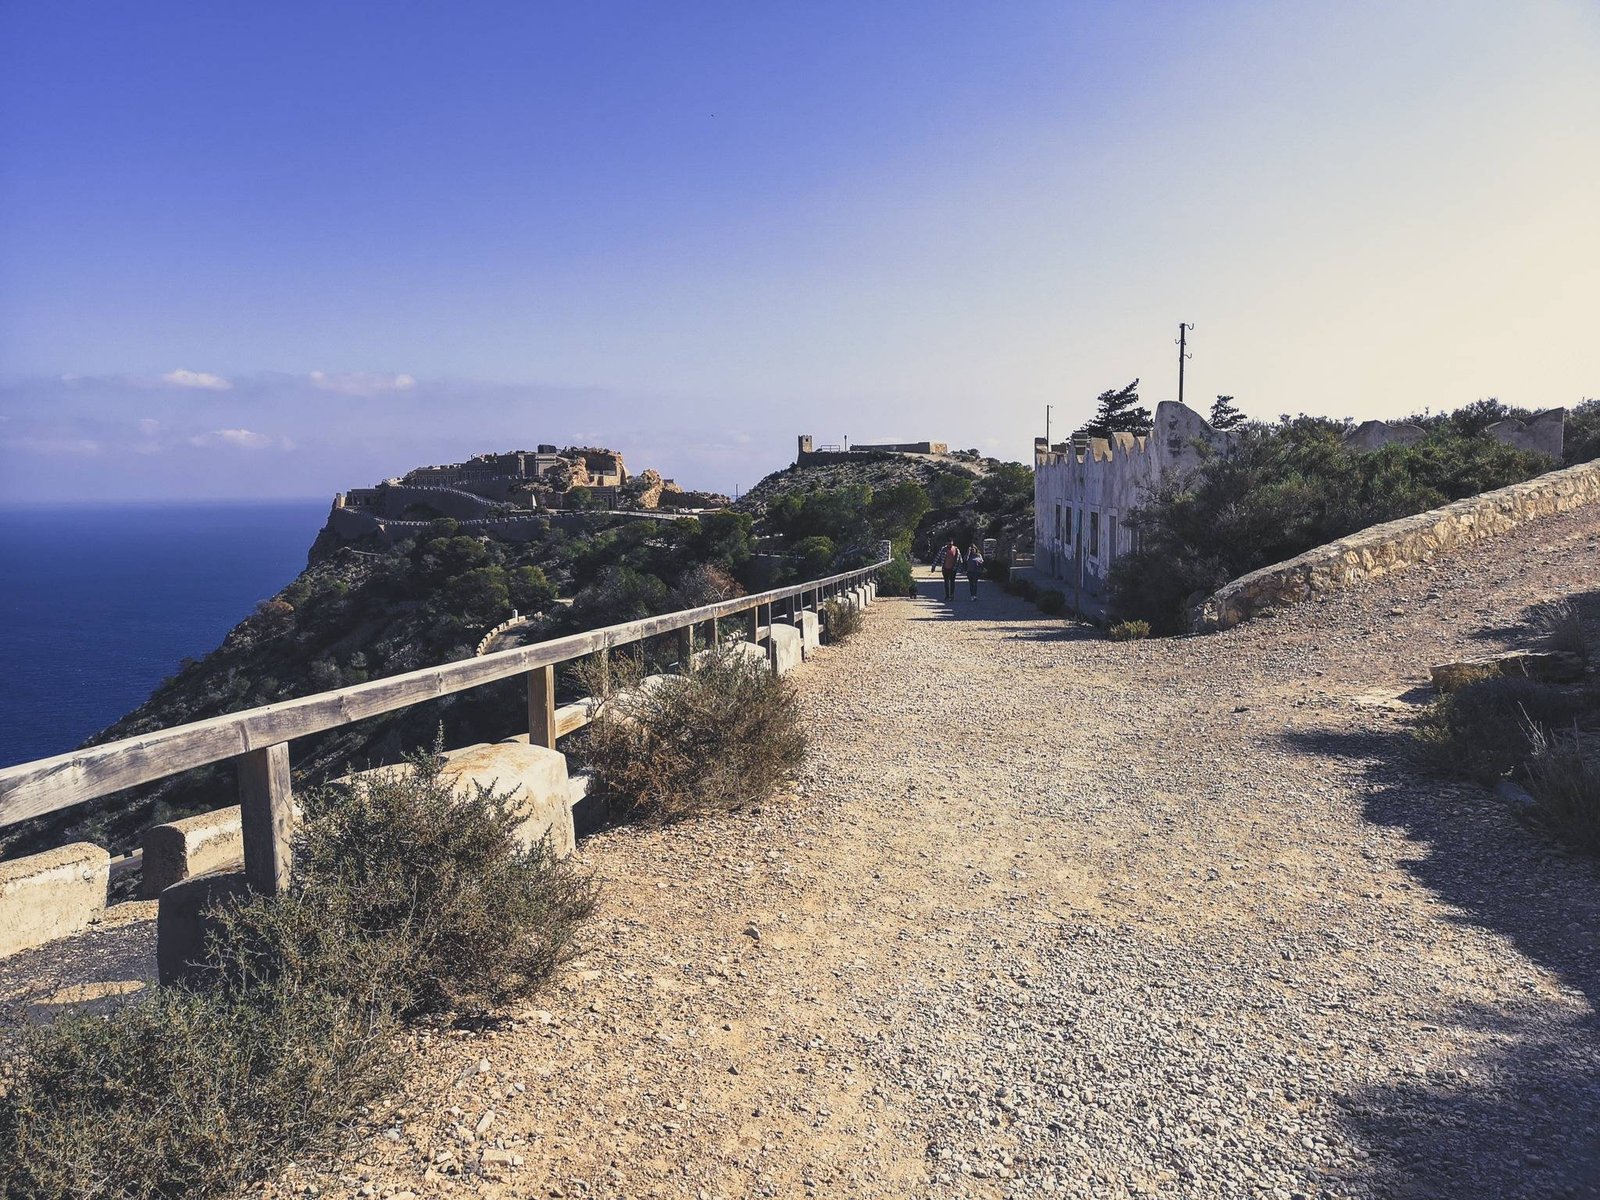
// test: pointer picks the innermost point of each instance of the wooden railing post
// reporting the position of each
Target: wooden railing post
(266, 818)
(686, 649)
(542, 707)
(755, 623)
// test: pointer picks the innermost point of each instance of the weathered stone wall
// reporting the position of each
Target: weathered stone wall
(1395, 545)
(1084, 493)
(51, 895)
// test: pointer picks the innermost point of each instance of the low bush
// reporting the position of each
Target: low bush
(1562, 628)
(413, 893)
(896, 580)
(186, 1094)
(406, 898)
(1486, 728)
(1129, 631)
(684, 745)
(1051, 602)
(1281, 489)
(1563, 776)
(841, 620)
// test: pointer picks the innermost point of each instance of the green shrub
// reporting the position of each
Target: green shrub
(1051, 602)
(1128, 631)
(1563, 777)
(685, 745)
(1486, 728)
(841, 620)
(896, 579)
(185, 1094)
(411, 892)
(406, 898)
(1283, 489)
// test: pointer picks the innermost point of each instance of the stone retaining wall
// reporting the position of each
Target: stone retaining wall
(1395, 545)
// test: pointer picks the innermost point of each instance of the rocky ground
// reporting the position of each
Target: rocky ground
(1053, 916)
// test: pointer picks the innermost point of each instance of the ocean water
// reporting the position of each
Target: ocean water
(99, 605)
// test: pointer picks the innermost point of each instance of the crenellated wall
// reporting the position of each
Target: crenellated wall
(1084, 492)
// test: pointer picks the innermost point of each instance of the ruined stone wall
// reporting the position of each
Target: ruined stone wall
(1395, 545)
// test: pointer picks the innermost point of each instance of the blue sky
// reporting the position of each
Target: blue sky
(269, 250)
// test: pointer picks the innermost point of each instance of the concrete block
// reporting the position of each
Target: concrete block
(750, 650)
(536, 777)
(51, 895)
(182, 924)
(784, 649)
(211, 841)
(810, 632)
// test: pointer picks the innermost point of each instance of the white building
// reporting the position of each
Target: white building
(1084, 491)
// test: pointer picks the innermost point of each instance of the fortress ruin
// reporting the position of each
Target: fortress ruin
(510, 495)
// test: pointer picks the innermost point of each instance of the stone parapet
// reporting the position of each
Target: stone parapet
(51, 895)
(1395, 545)
(785, 648)
(174, 851)
(536, 777)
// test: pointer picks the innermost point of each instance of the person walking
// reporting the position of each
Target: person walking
(974, 568)
(949, 562)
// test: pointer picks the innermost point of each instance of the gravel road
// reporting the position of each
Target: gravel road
(1052, 916)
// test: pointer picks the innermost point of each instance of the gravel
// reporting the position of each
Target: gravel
(1047, 915)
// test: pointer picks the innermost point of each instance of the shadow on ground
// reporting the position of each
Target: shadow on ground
(1533, 1129)
(995, 604)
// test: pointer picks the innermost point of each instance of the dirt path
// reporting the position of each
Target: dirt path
(1055, 916)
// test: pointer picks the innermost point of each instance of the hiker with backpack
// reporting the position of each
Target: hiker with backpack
(948, 560)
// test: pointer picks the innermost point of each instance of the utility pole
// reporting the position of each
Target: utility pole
(1182, 354)
(1047, 409)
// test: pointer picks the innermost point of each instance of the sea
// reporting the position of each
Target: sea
(99, 604)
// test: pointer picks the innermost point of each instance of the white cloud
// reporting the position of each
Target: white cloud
(148, 426)
(361, 383)
(196, 379)
(242, 439)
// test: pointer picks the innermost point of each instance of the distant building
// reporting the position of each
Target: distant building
(1085, 489)
(811, 454)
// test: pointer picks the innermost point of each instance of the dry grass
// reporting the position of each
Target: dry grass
(1129, 631)
(1564, 779)
(841, 620)
(1558, 622)
(1488, 727)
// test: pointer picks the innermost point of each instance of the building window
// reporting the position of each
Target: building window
(1111, 537)
(1058, 522)
(1069, 522)
(1094, 535)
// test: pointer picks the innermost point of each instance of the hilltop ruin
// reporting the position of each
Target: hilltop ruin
(500, 493)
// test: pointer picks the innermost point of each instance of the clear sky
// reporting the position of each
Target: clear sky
(279, 249)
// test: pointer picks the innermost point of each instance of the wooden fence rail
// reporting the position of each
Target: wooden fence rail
(259, 737)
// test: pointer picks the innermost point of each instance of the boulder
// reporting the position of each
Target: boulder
(1547, 666)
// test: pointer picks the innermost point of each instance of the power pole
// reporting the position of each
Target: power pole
(1182, 354)
(1047, 409)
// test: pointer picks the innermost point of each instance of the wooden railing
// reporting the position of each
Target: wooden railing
(259, 738)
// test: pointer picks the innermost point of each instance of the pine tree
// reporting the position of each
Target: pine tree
(1118, 412)
(1225, 416)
